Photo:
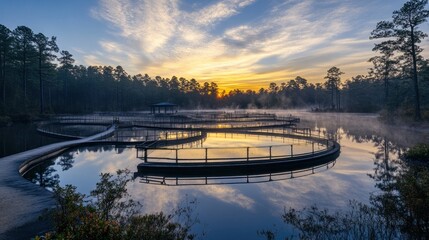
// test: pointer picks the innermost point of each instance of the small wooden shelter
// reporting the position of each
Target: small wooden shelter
(163, 108)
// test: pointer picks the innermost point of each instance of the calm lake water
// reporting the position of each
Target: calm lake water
(21, 137)
(238, 211)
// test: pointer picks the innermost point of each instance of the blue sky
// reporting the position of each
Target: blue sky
(236, 43)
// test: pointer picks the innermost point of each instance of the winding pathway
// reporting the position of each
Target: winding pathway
(21, 201)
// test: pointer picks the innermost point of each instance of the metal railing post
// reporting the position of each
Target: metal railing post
(312, 147)
(291, 150)
(177, 155)
(247, 153)
(145, 155)
(270, 151)
(206, 154)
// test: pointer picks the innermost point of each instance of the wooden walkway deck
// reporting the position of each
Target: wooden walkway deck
(21, 201)
(242, 167)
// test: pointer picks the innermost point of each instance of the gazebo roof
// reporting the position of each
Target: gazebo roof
(164, 104)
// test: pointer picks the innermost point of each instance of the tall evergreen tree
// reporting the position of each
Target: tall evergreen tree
(121, 78)
(5, 57)
(24, 49)
(65, 73)
(333, 81)
(406, 35)
(45, 48)
(384, 66)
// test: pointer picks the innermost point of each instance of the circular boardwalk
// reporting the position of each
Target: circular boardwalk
(23, 202)
(199, 162)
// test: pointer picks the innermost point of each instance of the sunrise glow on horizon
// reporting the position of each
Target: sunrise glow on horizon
(239, 44)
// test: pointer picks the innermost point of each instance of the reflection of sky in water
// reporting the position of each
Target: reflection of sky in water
(238, 211)
(233, 145)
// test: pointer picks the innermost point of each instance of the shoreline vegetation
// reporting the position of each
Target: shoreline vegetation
(37, 78)
(397, 211)
(109, 213)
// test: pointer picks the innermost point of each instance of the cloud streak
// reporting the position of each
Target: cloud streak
(209, 43)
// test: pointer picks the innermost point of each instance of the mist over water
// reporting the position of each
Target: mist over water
(238, 211)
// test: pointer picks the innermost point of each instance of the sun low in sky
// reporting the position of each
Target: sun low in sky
(243, 44)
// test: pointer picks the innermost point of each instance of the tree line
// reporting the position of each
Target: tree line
(398, 81)
(36, 77)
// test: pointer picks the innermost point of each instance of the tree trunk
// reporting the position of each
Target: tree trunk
(3, 78)
(41, 83)
(50, 98)
(338, 99)
(65, 96)
(117, 95)
(415, 79)
(386, 86)
(24, 77)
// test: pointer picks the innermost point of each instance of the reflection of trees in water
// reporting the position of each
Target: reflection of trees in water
(44, 175)
(119, 150)
(400, 209)
(384, 176)
(66, 161)
(385, 166)
(404, 197)
(95, 149)
(413, 204)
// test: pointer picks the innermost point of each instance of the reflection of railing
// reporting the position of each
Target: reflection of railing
(235, 114)
(292, 130)
(228, 154)
(214, 125)
(86, 120)
(133, 135)
(302, 131)
(240, 179)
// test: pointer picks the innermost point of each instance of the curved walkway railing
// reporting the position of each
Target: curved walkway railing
(156, 135)
(214, 125)
(192, 121)
(176, 126)
(228, 154)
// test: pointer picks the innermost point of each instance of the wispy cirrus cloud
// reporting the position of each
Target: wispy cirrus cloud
(218, 12)
(204, 42)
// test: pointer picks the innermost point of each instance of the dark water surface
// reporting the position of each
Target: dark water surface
(238, 211)
(21, 137)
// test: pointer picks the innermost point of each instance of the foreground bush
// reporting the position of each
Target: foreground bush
(110, 215)
(420, 152)
(400, 210)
